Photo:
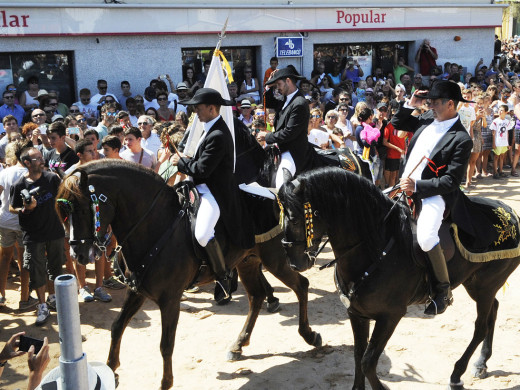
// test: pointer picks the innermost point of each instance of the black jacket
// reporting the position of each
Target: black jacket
(213, 165)
(291, 125)
(451, 153)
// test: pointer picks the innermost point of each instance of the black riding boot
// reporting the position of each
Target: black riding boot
(218, 264)
(443, 297)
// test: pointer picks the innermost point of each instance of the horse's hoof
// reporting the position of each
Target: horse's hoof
(480, 372)
(166, 384)
(233, 356)
(456, 386)
(317, 340)
(274, 306)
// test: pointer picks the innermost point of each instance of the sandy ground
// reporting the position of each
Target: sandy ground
(420, 354)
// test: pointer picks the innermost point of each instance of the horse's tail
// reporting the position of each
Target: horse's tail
(270, 166)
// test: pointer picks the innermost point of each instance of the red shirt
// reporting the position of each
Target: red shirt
(391, 136)
(427, 62)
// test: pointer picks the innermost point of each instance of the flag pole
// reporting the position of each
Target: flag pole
(221, 36)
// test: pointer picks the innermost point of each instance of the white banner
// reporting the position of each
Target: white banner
(138, 20)
(216, 80)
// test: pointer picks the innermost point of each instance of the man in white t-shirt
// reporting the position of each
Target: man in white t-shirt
(182, 94)
(102, 87)
(150, 140)
(135, 152)
(86, 107)
(11, 233)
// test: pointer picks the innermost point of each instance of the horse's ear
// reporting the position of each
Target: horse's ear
(83, 178)
(286, 175)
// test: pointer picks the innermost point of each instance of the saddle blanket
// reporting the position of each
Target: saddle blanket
(497, 226)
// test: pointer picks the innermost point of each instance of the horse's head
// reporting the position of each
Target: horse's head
(80, 206)
(302, 226)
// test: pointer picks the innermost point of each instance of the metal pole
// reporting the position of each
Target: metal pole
(73, 362)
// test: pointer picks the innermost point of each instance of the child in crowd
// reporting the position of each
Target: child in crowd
(467, 111)
(499, 129)
(361, 91)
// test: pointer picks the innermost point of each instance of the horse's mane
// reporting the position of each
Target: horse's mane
(346, 199)
(270, 165)
(69, 188)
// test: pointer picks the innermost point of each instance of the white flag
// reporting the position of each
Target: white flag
(216, 80)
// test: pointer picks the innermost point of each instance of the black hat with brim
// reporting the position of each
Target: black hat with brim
(282, 74)
(207, 96)
(445, 90)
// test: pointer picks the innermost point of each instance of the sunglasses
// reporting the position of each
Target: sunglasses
(49, 111)
(109, 101)
(139, 100)
(103, 87)
(142, 123)
(162, 99)
(260, 113)
(344, 110)
(332, 117)
(53, 104)
(12, 89)
(74, 111)
(343, 100)
(316, 116)
(82, 120)
(8, 97)
(111, 113)
(37, 115)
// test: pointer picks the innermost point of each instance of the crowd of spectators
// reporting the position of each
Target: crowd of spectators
(42, 136)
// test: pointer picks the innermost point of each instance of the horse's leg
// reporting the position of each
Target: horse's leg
(273, 303)
(131, 305)
(250, 275)
(360, 329)
(480, 370)
(485, 300)
(280, 268)
(170, 309)
(383, 330)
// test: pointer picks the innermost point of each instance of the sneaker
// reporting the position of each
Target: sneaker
(51, 301)
(101, 295)
(496, 176)
(113, 283)
(2, 301)
(85, 294)
(28, 304)
(42, 315)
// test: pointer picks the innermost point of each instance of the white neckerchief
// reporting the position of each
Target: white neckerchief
(424, 145)
(289, 97)
(206, 126)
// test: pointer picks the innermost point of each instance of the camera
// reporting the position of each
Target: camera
(26, 195)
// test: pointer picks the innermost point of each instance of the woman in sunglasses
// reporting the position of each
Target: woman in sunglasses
(164, 113)
(28, 99)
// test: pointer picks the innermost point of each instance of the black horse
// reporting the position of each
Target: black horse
(147, 219)
(375, 266)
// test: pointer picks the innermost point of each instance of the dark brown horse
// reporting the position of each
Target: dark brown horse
(380, 280)
(147, 219)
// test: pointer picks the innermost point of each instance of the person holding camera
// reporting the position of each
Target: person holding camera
(425, 57)
(351, 73)
(32, 197)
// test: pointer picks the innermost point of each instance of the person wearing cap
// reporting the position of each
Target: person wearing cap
(245, 112)
(182, 93)
(212, 170)
(291, 123)
(437, 158)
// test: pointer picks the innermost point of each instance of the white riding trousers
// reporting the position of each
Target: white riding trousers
(207, 216)
(286, 162)
(429, 222)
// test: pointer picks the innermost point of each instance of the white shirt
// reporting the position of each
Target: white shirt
(97, 97)
(153, 104)
(88, 110)
(424, 146)
(149, 160)
(8, 177)
(289, 97)
(152, 143)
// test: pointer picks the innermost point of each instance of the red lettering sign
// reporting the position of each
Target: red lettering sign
(12, 20)
(369, 17)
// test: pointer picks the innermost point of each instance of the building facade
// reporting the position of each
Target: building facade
(72, 45)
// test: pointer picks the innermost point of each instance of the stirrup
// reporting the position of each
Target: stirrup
(223, 289)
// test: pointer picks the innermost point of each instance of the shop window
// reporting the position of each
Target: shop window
(369, 56)
(53, 69)
(238, 58)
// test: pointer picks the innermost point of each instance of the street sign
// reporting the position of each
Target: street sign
(289, 47)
